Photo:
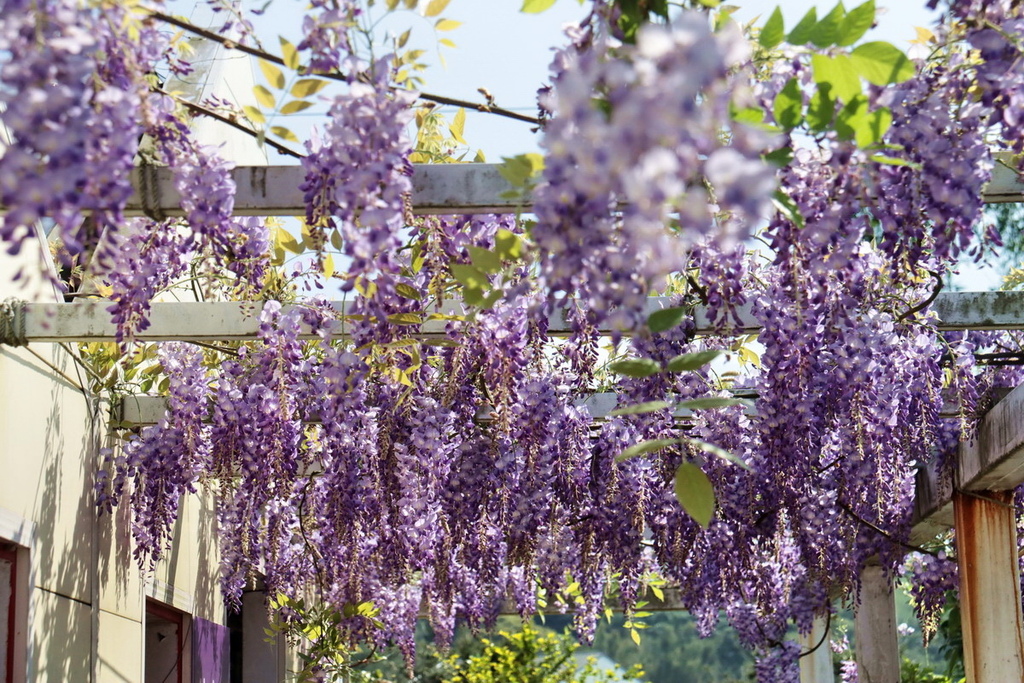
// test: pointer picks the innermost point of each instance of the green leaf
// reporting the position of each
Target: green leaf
(665, 319)
(712, 402)
(536, 6)
(893, 161)
(688, 362)
(856, 23)
(788, 208)
(695, 493)
(470, 276)
(640, 408)
(296, 106)
(719, 452)
(508, 245)
(881, 63)
(304, 87)
(645, 447)
(826, 32)
(876, 125)
(855, 122)
(484, 259)
(839, 73)
(789, 103)
(635, 635)
(801, 33)
(752, 116)
(822, 108)
(289, 54)
(780, 157)
(264, 96)
(435, 7)
(774, 30)
(635, 367)
(520, 169)
(273, 75)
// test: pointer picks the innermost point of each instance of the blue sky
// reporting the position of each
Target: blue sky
(508, 53)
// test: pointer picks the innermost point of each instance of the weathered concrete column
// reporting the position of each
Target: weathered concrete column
(874, 629)
(986, 548)
(817, 666)
(262, 661)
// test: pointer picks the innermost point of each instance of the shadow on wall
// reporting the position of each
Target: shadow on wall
(61, 622)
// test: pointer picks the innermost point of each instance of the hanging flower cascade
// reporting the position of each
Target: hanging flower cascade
(655, 146)
(76, 95)
(387, 474)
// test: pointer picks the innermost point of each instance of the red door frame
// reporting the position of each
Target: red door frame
(10, 554)
(177, 617)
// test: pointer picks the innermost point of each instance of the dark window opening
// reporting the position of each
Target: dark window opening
(165, 643)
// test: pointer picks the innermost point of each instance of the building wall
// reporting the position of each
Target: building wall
(84, 599)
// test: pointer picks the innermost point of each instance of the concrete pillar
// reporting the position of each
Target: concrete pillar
(816, 667)
(986, 548)
(262, 661)
(874, 629)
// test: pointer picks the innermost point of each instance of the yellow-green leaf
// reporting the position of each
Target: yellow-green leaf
(435, 7)
(536, 6)
(408, 291)
(289, 54)
(273, 75)
(882, 63)
(296, 106)
(695, 493)
(446, 42)
(284, 133)
(458, 125)
(254, 115)
(404, 38)
(328, 265)
(447, 25)
(640, 408)
(405, 319)
(304, 87)
(645, 447)
(264, 96)
(287, 241)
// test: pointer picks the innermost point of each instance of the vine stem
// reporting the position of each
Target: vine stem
(824, 636)
(928, 301)
(486, 107)
(205, 111)
(878, 530)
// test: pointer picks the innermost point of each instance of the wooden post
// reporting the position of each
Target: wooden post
(817, 666)
(986, 548)
(874, 629)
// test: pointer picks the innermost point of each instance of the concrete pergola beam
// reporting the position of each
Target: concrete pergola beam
(437, 189)
(89, 321)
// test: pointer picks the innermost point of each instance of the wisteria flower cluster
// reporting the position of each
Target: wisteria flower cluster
(461, 475)
(641, 126)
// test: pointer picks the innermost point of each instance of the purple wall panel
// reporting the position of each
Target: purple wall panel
(210, 655)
